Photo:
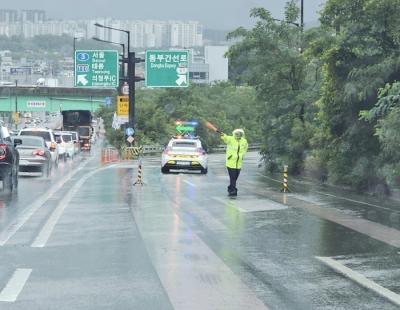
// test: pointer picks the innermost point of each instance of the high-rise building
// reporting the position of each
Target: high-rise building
(33, 16)
(144, 34)
(215, 58)
(8, 16)
(185, 34)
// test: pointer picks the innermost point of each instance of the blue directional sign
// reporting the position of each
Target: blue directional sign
(82, 56)
(129, 131)
(107, 100)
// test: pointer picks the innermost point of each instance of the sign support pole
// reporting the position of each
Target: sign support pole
(131, 82)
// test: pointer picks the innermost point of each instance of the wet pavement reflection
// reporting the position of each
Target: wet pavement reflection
(179, 242)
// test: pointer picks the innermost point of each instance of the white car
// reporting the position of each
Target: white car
(66, 144)
(48, 136)
(184, 154)
(75, 140)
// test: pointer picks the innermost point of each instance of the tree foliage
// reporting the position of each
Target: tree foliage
(284, 80)
(223, 104)
(324, 105)
(363, 56)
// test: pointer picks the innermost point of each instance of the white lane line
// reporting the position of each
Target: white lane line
(267, 177)
(251, 205)
(229, 202)
(48, 228)
(189, 183)
(357, 201)
(10, 231)
(338, 197)
(207, 279)
(15, 285)
(360, 279)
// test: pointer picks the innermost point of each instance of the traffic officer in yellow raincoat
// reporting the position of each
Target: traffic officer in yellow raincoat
(236, 148)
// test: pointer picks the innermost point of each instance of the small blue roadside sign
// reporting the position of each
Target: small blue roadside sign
(129, 131)
(108, 100)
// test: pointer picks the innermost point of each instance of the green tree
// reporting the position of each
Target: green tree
(385, 116)
(361, 56)
(227, 106)
(285, 80)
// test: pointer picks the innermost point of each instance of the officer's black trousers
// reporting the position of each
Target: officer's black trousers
(233, 176)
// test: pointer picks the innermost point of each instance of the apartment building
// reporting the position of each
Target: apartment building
(144, 34)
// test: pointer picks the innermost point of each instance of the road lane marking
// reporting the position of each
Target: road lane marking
(12, 229)
(267, 177)
(369, 228)
(48, 228)
(357, 201)
(189, 183)
(338, 197)
(251, 205)
(15, 285)
(360, 279)
(189, 271)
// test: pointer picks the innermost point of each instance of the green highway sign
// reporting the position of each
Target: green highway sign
(96, 68)
(167, 68)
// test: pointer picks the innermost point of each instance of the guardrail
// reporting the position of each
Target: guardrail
(152, 149)
(222, 148)
(157, 149)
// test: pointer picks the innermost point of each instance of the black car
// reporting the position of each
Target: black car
(9, 161)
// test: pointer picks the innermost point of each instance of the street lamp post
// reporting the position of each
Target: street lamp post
(123, 60)
(132, 60)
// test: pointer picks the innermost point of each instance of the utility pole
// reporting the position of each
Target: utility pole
(302, 15)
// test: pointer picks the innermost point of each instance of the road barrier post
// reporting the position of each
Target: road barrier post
(285, 184)
(139, 179)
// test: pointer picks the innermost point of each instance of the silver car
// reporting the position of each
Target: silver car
(34, 156)
(48, 136)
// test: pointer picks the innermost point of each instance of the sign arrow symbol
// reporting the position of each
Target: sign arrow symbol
(82, 79)
(181, 80)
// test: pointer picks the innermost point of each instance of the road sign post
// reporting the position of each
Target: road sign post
(96, 68)
(167, 68)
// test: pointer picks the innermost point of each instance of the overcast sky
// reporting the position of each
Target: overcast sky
(216, 14)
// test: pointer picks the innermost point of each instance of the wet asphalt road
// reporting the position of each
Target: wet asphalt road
(87, 239)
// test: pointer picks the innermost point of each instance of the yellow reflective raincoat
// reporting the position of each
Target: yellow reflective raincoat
(235, 150)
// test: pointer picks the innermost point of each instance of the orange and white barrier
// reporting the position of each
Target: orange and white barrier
(109, 155)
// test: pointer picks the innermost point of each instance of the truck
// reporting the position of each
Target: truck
(81, 122)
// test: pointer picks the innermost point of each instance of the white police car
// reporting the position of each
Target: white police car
(184, 153)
